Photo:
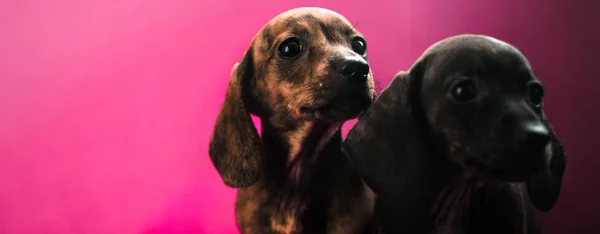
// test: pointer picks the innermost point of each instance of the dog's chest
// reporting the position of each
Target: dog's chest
(326, 221)
(340, 216)
(286, 222)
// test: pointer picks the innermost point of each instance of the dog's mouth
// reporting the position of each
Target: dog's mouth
(321, 114)
(514, 166)
(338, 109)
(315, 112)
(508, 165)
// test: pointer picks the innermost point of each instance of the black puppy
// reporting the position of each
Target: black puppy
(460, 143)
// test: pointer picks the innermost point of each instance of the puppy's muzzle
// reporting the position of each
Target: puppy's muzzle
(525, 149)
(355, 70)
(349, 89)
(526, 131)
(532, 135)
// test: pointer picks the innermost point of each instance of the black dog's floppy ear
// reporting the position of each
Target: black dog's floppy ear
(235, 147)
(385, 146)
(544, 187)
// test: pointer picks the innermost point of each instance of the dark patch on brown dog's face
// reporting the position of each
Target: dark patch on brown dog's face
(312, 83)
(483, 99)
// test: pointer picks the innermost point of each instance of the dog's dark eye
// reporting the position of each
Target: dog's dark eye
(536, 94)
(464, 91)
(359, 45)
(290, 48)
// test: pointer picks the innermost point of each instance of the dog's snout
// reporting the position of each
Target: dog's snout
(524, 127)
(355, 70)
(533, 135)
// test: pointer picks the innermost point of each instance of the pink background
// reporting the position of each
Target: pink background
(106, 107)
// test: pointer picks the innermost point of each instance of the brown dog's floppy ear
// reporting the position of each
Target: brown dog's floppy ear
(235, 147)
(544, 187)
(385, 146)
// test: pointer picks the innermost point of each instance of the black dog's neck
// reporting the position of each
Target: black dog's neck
(302, 162)
(450, 211)
(454, 189)
(442, 192)
(443, 207)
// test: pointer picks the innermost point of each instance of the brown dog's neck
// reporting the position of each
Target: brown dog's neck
(303, 141)
(297, 157)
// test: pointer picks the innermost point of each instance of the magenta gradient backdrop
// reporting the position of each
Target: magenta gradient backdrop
(106, 107)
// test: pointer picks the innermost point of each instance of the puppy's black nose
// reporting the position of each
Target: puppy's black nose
(533, 135)
(355, 70)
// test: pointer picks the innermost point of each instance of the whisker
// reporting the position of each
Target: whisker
(378, 87)
(356, 24)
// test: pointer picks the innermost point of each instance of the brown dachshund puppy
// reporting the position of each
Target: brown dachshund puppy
(304, 75)
(460, 144)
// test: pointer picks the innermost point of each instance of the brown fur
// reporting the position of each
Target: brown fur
(295, 179)
(447, 164)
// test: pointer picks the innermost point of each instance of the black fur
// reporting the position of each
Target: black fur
(443, 166)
